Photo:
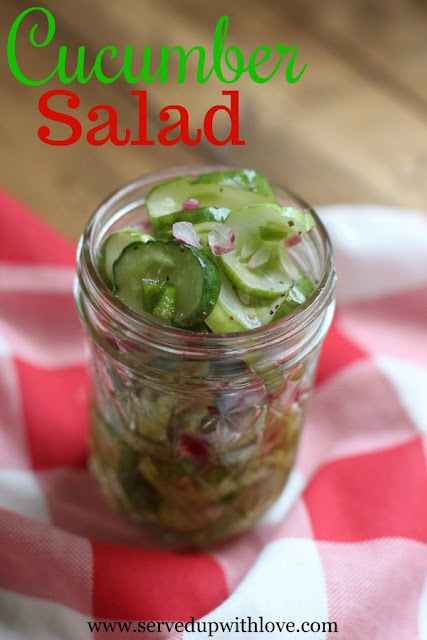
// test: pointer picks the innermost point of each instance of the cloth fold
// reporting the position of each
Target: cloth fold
(345, 543)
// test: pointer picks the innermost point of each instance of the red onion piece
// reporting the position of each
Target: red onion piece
(221, 240)
(189, 204)
(185, 233)
(291, 242)
(194, 447)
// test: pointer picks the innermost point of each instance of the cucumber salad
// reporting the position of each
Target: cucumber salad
(216, 257)
(201, 454)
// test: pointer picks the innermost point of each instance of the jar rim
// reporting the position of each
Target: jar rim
(138, 327)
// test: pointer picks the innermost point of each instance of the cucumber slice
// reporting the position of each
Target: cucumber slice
(112, 248)
(250, 267)
(298, 221)
(195, 216)
(295, 296)
(245, 179)
(254, 267)
(168, 198)
(196, 279)
(230, 314)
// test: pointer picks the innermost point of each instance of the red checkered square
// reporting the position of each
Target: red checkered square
(338, 352)
(26, 239)
(55, 411)
(381, 494)
(132, 583)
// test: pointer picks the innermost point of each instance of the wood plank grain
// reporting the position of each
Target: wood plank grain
(386, 39)
(180, 24)
(339, 134)
(355, 121)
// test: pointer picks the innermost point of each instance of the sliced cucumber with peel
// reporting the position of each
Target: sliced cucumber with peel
(298, 221)
(257, 282)
(254, 267)
(168, 198)
(230, 314)
(296, 296)
(195, 216)
(246, 179)
(112, 248)
(195, 278)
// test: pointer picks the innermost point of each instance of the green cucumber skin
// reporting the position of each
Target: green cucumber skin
(294, 298)
(115, 243)
(195, 216)
(221, 322)
(168, 198)
(210, 293)
(244, 179)
(270, 279)
(164, 264)
(230, 315)
(263, 294)
(230, 312)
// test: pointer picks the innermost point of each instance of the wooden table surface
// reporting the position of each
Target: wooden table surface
(353, 129)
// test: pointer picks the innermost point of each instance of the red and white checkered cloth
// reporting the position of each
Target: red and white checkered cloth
(345, 543)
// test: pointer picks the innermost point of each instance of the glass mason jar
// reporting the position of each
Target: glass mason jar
(194, 435)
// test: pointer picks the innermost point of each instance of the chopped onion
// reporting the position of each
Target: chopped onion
(248, 249)
(288, 265)
(259, 258)
(194, 447)
(221, 240)
(189, 204)
(185, 233)
(292, 241)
